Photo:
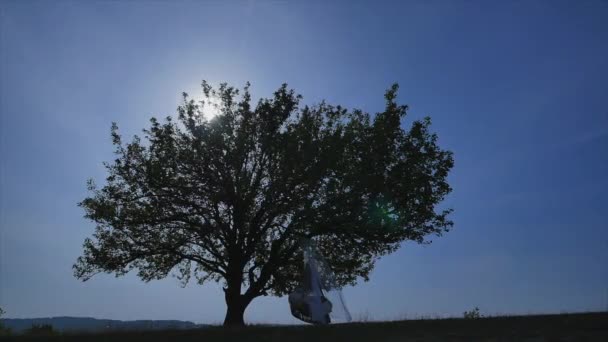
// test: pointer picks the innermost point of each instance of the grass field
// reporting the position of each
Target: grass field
(565, 327)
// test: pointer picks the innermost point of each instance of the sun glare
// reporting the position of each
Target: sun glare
(210, 107)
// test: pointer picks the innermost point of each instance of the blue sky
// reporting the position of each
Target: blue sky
(516, 89)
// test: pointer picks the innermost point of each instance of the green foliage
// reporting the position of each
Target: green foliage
(473, 314)
(41, 329)
(229, 198)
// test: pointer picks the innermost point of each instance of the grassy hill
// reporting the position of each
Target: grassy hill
(566, 327)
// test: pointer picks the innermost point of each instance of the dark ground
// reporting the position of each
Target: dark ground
(566, 327)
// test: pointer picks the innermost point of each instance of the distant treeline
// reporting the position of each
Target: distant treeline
(85, 324)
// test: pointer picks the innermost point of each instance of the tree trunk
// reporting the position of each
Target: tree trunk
(236, 303)
(234, 316)
(235, 309)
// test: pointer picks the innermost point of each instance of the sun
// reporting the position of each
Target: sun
(210, 107)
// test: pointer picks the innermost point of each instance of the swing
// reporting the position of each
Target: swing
(318, 299)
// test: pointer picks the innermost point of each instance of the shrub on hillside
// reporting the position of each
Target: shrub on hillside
(4, 331)
(473, 314)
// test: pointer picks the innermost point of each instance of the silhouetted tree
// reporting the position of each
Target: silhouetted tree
(229, 198)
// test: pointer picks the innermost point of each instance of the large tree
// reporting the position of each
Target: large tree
(229, 198)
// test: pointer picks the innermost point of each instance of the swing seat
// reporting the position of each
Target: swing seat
(310, 308)
(310, 301)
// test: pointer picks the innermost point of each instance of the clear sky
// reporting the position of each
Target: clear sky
(517, 89)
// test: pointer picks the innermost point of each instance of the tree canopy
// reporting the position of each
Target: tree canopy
(229, 198)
